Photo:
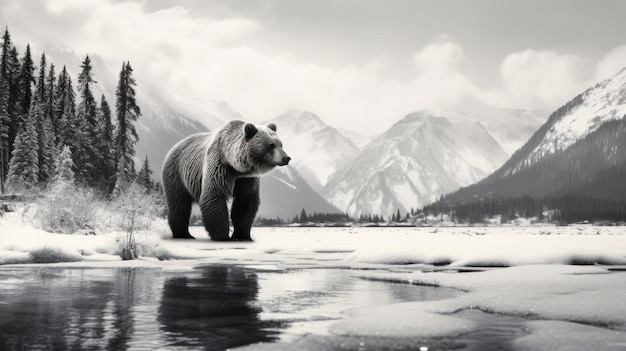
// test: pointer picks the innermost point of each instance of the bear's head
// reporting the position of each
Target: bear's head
(263, 147)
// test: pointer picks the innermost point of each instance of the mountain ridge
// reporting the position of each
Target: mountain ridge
(421, 157)
(581, 140)
(316, 148)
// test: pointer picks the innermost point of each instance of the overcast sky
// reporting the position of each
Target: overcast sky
(359, 63)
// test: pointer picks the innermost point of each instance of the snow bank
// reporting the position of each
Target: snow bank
(351, 247)
(556, 335)
(496, 247)
(584, 294)
(21, 243)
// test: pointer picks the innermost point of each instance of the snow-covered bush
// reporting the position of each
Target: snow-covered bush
(65, 208)
(135, 210)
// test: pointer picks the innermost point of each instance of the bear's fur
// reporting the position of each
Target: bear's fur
(212, 168)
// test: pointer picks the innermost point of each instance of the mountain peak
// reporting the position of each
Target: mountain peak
(578, 118)
(579, 150)
(316, 148)
(302, 119)
(426, 154)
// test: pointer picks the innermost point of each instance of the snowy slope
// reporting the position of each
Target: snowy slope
(580, 150)
(510, 127)
(421, 157)
(316, 149)
(285, 192)
(580, 117)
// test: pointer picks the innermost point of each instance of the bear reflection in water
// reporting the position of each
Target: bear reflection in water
(48, 308)
(215, 310)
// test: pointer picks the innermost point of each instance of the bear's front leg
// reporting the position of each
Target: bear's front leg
(214, 210)
(246, 202)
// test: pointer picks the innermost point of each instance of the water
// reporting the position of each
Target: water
(210, 308)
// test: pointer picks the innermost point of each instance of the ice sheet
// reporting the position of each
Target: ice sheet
(401, 320)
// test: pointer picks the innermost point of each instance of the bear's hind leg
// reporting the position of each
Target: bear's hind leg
(178, 202)
(179, 211)
(246, 202)
(215, 216)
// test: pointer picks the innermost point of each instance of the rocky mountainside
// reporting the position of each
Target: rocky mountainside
(423, 156)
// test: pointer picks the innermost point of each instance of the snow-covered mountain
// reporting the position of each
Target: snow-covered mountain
(284, 193)
(580, 150)
(510, 127)
(316, 149)
(426, 154)
(583, 115)
(360, 140)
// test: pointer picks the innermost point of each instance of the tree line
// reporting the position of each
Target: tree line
(333, 217)
(559, 209)
(42, 114)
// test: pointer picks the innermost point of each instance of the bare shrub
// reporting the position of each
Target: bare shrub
(66, 209)
(135, 210)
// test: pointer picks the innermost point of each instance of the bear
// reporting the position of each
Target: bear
(213, 168)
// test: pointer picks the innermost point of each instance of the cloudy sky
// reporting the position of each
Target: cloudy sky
(357, 63)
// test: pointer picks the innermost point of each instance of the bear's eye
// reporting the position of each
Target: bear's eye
(271, 146)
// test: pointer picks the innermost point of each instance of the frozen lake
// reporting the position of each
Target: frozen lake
(515, 288)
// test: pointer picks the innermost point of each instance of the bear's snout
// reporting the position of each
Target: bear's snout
(280, 157)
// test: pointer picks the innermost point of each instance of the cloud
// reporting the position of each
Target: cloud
(439, 81)
(213, 59)
(612, 62)
(540, 78)
(440, 56)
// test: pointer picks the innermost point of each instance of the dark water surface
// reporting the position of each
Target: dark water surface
(210, 308)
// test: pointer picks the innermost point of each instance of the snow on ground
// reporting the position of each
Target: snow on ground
(567, 280)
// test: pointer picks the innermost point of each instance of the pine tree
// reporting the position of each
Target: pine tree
(5, 119)
(5, 125)
(60, 97)
(23, 170)
(49, 98)
(126, 138)
(144, 177)
(45, 139)
(63, 168)
(105, 145)
(69, 122)
(40, 87)
(86, 157)
(7, 45)
(9, 73)
(303, 216)
(24, 85)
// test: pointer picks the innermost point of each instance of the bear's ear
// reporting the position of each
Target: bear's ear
(250, 130)
(272, 126)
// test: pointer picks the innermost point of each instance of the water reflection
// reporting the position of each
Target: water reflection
(117, 309)
(46, 309)
(215, 311)
(209, 308)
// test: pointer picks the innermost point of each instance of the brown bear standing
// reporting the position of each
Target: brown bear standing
(212, 168)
